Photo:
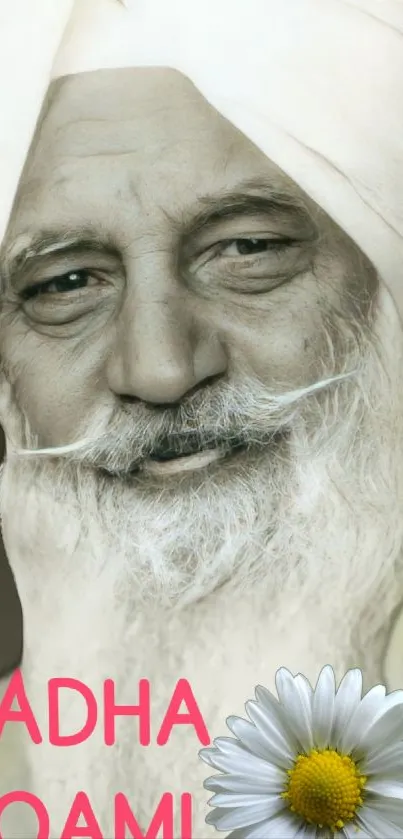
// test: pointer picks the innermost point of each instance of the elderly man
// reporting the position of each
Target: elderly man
(201, 379)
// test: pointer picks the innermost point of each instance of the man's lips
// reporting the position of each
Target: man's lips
(175, 455)
(183, 463)
(169, 460)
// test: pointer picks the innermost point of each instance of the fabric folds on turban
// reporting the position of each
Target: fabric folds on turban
(316, 84)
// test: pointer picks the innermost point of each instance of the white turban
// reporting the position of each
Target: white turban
(316, 84)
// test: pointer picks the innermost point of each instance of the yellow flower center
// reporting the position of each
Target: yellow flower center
(325, 788)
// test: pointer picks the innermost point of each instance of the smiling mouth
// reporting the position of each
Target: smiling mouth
(171, 461)
(174, 464)
(175, 457)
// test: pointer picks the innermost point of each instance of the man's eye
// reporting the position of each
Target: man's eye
(249, 247)
(71, 281)
(253, 264)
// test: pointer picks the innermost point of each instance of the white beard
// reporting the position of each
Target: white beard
(105, 593)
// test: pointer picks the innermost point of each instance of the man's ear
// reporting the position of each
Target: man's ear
(11, 629)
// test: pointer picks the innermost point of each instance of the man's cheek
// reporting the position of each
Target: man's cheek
(280, 336)
(37, 398)
(288, 355)
(64, 412)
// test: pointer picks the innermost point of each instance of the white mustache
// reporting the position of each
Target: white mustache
(270, 405)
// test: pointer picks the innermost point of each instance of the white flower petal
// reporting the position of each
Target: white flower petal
(377, 825)
(346, 700)
(242, 783)
(307, 831)
(284, 826)
(248, 734)
(282, 753)
(306, 694)
(323, 707)
(230, 747)
(385, 787)
(275, 750)
(390, 808)
(233, 757)
(256, 831)
(266, 698)
(387, 730)
(224, 819)
(294, 697)
(277, 715)
(352, 831)
(361, 719)
(386, 760)
(241, 799)
(225, 763)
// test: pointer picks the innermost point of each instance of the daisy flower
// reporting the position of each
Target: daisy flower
(314, 763)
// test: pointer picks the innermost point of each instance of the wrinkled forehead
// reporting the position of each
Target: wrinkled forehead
(139, 153)
(120, 111)
(149, 124)
(134, 111)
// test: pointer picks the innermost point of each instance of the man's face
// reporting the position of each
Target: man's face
(174, 320)
(153, 254)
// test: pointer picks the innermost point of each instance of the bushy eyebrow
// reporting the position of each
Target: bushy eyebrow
(55, 241)
(249, 198)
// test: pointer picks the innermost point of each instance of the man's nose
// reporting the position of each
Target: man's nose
(162, 351)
